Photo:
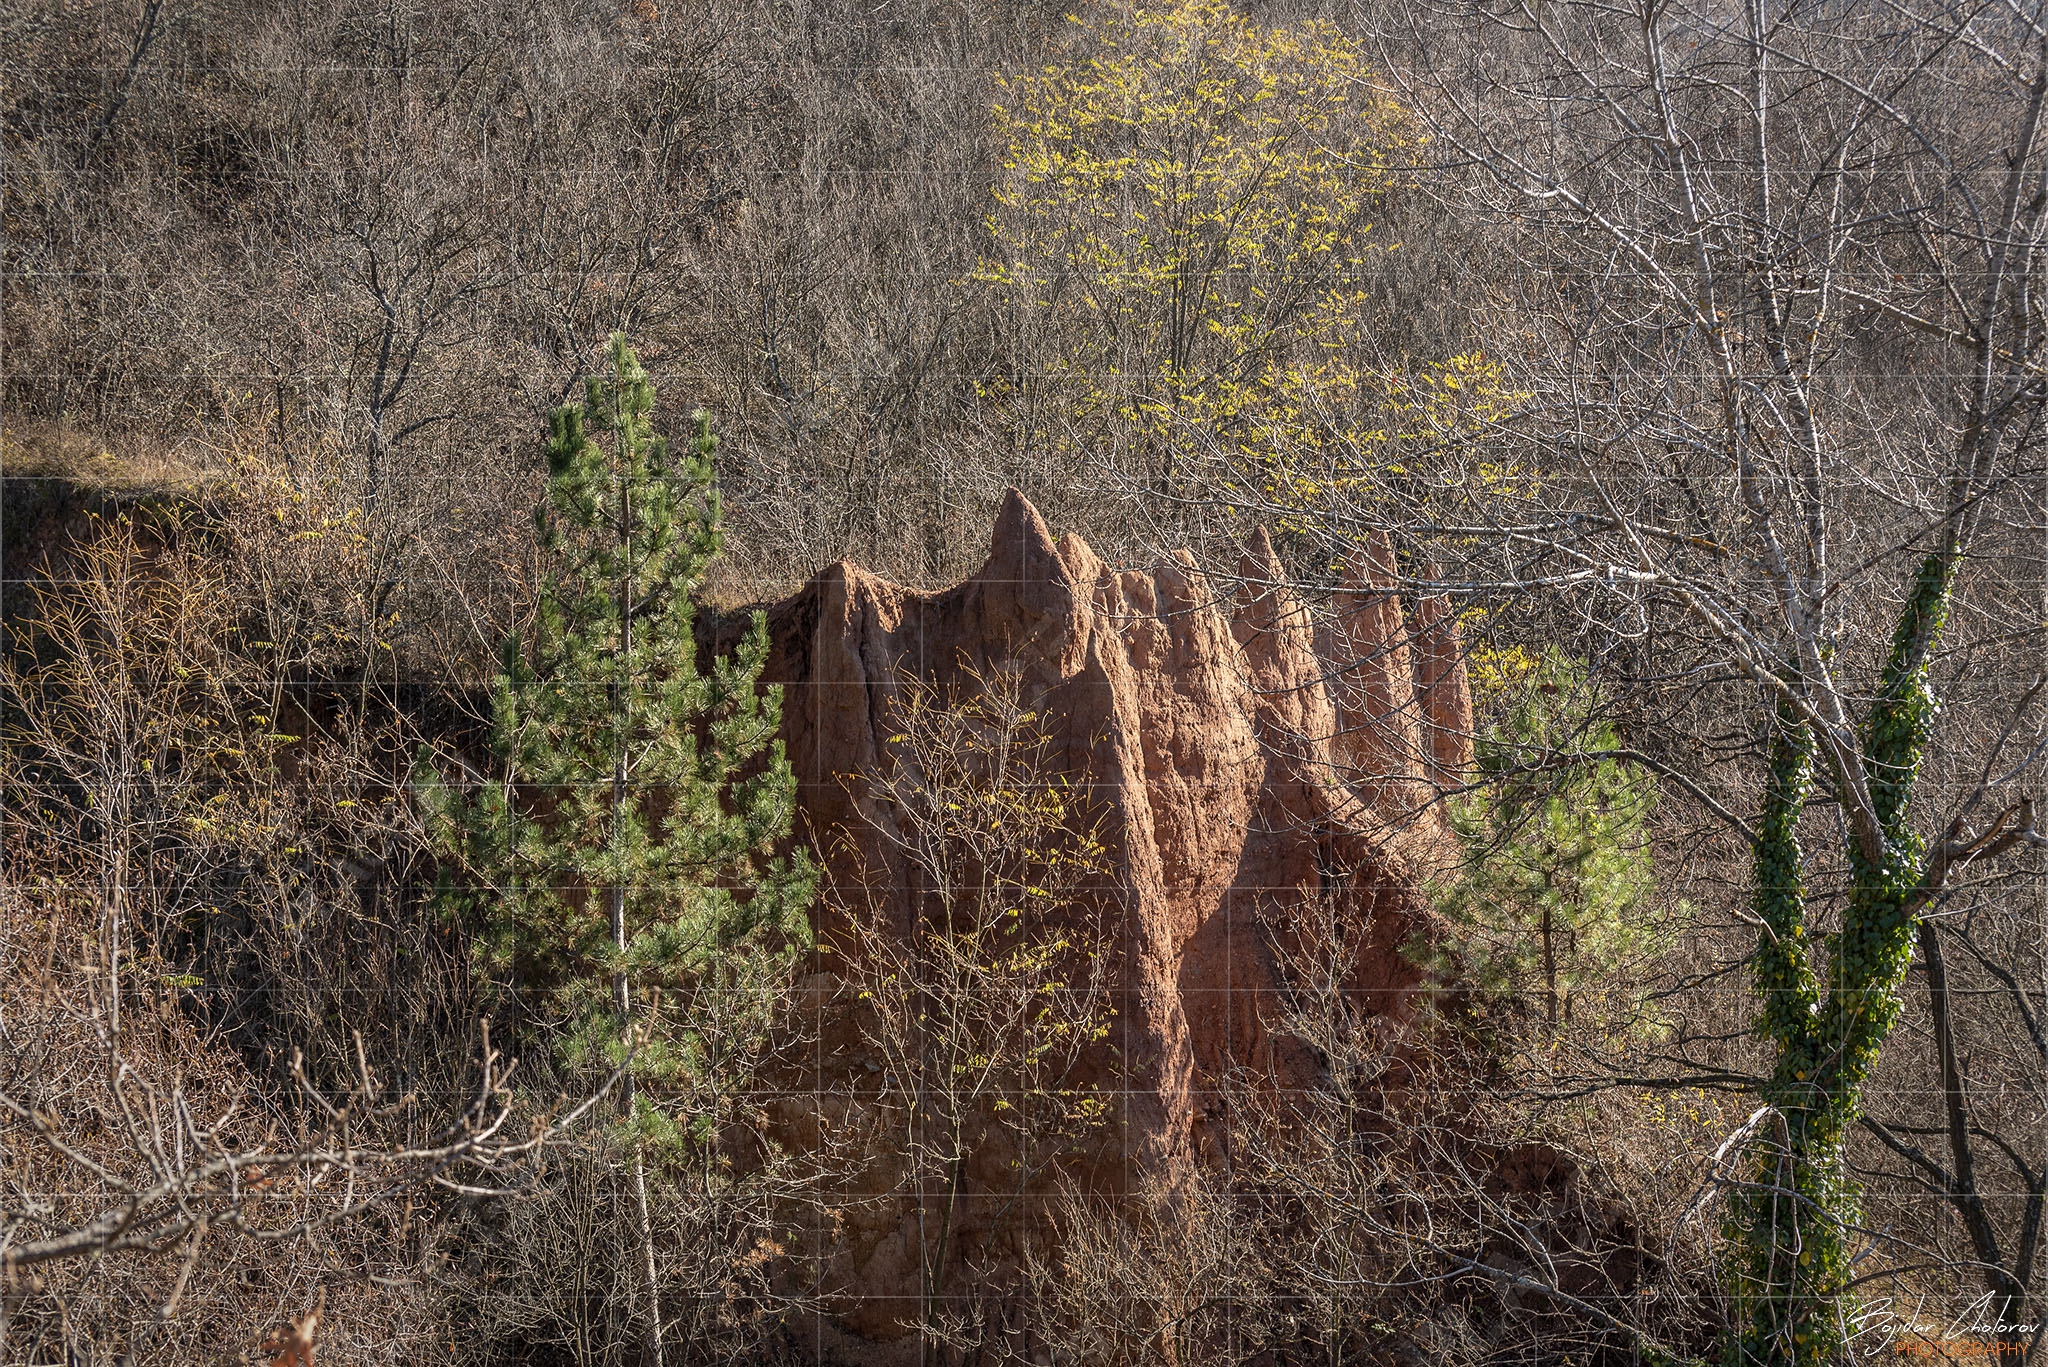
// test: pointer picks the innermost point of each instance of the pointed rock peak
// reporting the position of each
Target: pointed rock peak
(1432, 607)
(1352, 579)
(1369, 569)
(1265, 603)
(1259, 564)
(1022, 547)
(1084, 566)
(1380, 554)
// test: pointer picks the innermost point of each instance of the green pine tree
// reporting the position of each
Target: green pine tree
(625, 851)
(1558, 877)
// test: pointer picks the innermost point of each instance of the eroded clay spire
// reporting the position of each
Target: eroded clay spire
(1373, 679)
(1444, 687)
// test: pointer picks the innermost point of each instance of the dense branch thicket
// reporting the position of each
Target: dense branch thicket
(1694, 354)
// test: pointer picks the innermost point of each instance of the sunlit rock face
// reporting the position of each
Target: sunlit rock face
(1238, 774)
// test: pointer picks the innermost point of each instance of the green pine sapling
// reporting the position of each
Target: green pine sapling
(619, 873)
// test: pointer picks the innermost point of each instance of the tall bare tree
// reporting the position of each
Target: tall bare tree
(1772, 438)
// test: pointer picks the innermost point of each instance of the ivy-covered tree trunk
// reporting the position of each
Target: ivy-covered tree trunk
(628, 846)
(1789, 1222)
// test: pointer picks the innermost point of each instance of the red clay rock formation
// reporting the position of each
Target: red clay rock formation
(1206, 729)
(1444, 688)
(1379, 736)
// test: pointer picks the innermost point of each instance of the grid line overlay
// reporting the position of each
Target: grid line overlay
(1707, 861)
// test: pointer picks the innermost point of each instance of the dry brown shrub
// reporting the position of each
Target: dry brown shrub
(211, 1294)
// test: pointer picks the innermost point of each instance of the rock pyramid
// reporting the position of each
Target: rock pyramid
(1242, 767)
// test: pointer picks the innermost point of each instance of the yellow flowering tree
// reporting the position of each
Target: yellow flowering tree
(1182, 240)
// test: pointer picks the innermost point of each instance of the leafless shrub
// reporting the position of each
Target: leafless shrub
(982, 964)
(182, 875)
(1169, 1276)
(559, 1265)
(155, 1198)
(1418, 1204)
